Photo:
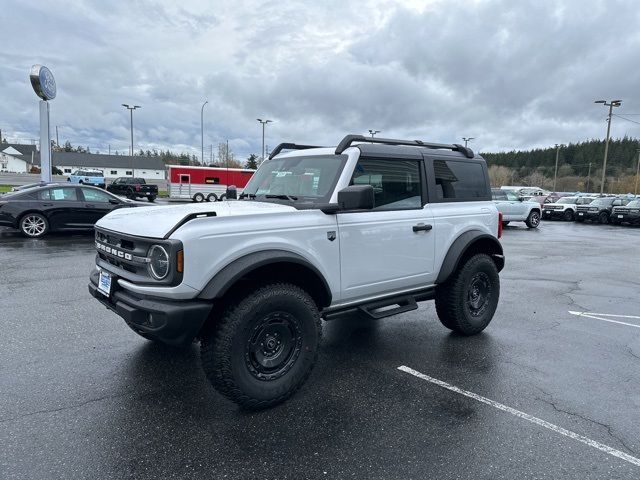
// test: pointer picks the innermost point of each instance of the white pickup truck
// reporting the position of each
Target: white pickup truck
(370, 227)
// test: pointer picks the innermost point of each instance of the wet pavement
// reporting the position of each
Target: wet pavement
(81, 396)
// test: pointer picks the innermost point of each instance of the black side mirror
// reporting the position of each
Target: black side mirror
(521, 199)
(356, 197)
(113, 201)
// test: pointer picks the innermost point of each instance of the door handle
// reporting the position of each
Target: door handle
(421, 227)
(47, 204)
(89, 205)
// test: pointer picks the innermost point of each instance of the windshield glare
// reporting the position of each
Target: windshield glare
(309, 178)
(567, 200)
(634, 204)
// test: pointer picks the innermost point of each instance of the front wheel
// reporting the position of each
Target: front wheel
(603, 218)
(568, 215)
(467, 301)
(34, 225)
(533, 220)
(152, 198)
(264, 347)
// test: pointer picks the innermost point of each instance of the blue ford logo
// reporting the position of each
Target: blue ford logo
(43, 82)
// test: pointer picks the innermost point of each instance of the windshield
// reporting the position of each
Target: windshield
(303, 179)
(601, 202)
(567, 200)
(634, 204)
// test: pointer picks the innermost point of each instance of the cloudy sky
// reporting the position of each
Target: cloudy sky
(512, 74)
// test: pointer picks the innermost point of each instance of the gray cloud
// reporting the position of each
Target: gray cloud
(511, 74)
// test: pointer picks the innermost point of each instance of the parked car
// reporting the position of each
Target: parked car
(629, 213)
(599, 210)
(515, 208)
(88, 177)
(133, 188)
(42, 209)
(564, 208)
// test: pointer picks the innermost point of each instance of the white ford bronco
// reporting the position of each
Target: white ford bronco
(370, 227)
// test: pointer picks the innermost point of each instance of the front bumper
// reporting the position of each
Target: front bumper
(174, 322)
(553, 213)
(626, 218)
(587, 215)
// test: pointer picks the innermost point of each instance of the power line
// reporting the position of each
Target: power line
(627, 119)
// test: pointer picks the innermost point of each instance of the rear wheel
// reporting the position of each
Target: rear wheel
(568, 215)
(198, 198)
(212, 197)
(467, 301)
(603, 217)
(130, 194)
(264, 346)
(152, 198)
(533, 220)
(34, 225)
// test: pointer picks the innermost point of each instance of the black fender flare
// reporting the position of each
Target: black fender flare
(218, 286)
(461, 245)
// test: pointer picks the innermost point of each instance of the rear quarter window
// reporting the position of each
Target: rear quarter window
(459, 181)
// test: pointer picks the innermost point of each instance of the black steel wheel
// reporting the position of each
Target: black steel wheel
(263, 347)
(568, 215)
(34, 225)
(603, 218)
(467, 301)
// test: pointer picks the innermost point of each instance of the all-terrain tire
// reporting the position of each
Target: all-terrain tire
(568, 215)
(457, 302)
(151, 198)
(533, 220)
(264, 346)
(603, 218)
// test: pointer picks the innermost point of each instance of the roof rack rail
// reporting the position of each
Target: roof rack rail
(289, 146)
(349, 139)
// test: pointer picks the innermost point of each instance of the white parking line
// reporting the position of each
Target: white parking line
(598, 316)
(525, 416)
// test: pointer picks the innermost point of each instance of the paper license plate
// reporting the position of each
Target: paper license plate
(104, 283)
(620, 216)
(580, 213)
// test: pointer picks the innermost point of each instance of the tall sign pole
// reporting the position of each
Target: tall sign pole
(44, 85)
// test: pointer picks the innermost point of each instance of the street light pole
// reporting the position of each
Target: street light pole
(263, 122)
(555, 175)
(635, 191)
(373, 132)
(589, 178)
(611, 104)
(467, 140)
(202, 132)
(131, 109)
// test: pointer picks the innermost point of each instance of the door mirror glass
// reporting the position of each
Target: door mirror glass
(356, 197)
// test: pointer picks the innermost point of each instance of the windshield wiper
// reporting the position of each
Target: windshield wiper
(247, 195)
(282, 197)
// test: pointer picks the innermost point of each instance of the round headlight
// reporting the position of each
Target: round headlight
(158, 262)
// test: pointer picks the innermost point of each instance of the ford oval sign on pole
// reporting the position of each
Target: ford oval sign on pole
(44, 85)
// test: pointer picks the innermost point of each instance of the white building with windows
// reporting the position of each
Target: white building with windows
(16, 158)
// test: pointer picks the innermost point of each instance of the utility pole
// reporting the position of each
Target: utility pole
(109, 149)
(611, 104)
(211, 157)
(131, 109)
(373, 132)
(555, 175)
(467, 140)
(588, 178)
(263, 122)
(202, 131)
(635, 191)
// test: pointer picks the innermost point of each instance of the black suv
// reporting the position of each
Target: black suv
(599, 210)
(629, 213)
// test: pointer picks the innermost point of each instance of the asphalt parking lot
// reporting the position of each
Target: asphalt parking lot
(542, 393)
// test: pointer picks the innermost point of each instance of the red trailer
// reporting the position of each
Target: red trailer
(205, 183)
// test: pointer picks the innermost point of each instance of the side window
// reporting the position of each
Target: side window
(114, 172)
(44, 195)
(396, 183)
(91, 195)
(64, 193)
(212, 180)
(499, 195)
(458, 180)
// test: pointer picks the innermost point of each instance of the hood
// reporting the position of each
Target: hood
(158, 221)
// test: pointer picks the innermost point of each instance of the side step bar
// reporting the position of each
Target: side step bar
(382, 308)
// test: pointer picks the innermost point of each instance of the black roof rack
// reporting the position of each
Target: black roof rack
(289, 146)
(349, 139)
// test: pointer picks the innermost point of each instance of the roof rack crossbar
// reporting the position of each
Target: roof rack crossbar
(289, 146)
(349, 139)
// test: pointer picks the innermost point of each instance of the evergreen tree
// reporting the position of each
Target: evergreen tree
(252, 162)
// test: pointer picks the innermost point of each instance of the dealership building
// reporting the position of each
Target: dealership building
(17, 158)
